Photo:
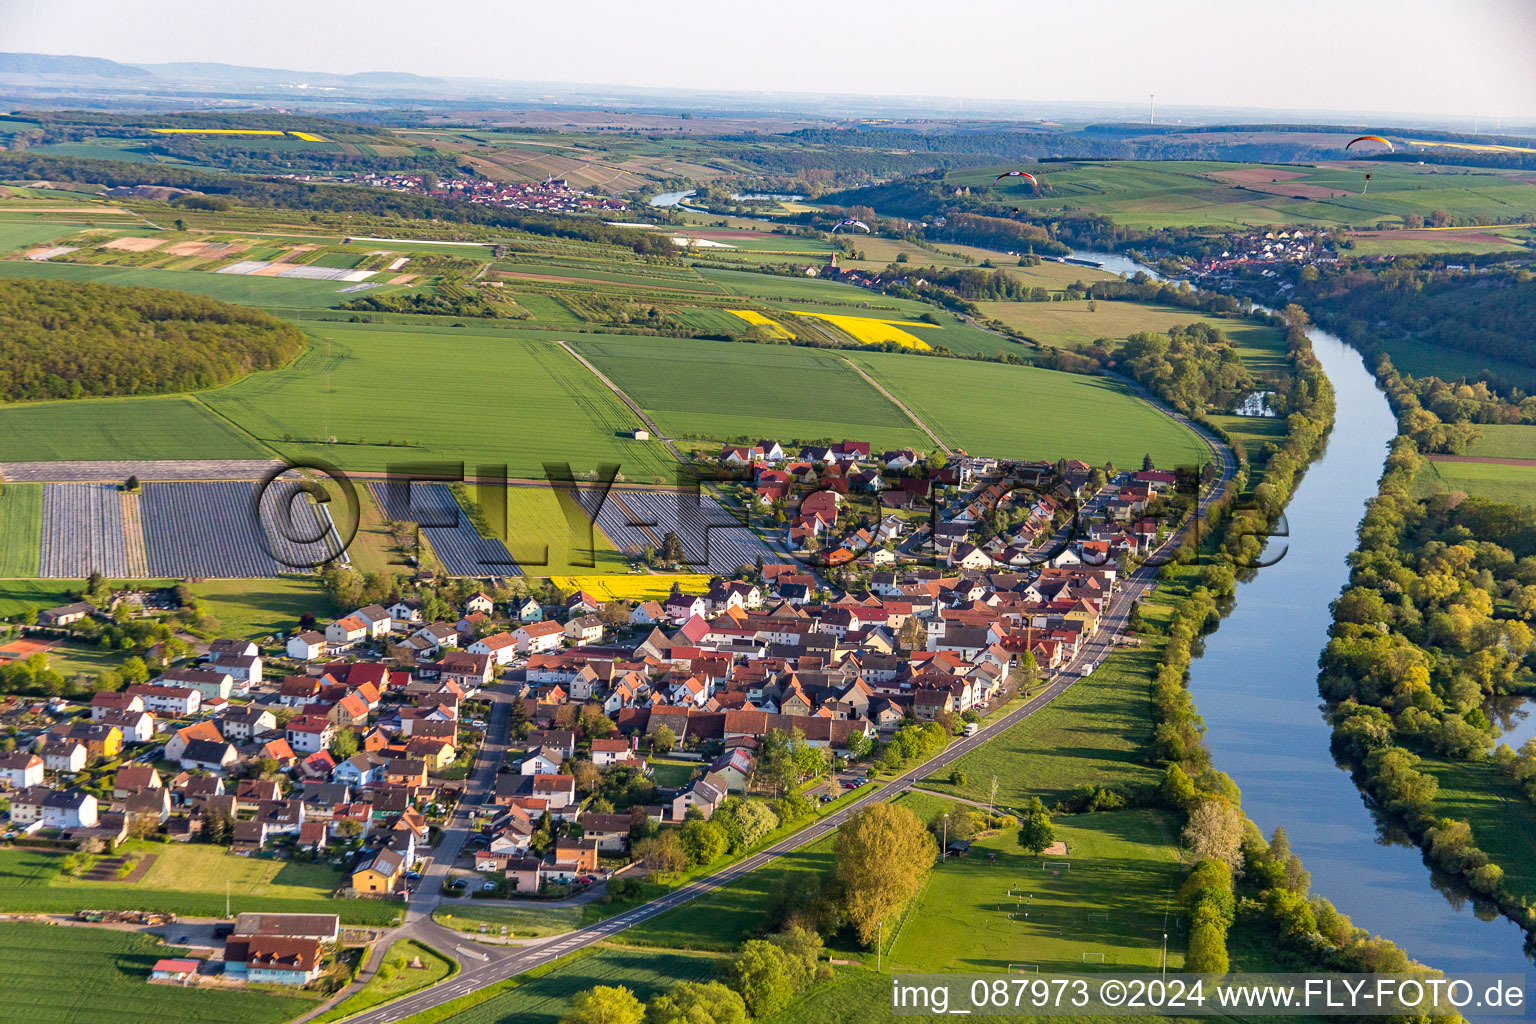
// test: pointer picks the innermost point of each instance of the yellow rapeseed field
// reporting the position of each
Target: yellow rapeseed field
(757, 319)
(633, 588)
(871, 331)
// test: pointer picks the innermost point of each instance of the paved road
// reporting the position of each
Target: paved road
(483, 966)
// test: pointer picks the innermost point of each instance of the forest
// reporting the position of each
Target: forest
(71, 340)
(1190, 367)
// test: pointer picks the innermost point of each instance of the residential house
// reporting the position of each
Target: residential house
(586, 629)
(539, 637)
(306, 646)
(108, 701)
(309, 734)
(173, 701)
(21, 769)
(65, 615)
(55, 808)
(345, 633)
(379, 871)
(62, 755)
(571, 859)
(500, 647)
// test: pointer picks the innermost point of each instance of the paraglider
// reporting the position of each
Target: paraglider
(1367, 185)
(1018, 174)
(851, 223)
(1370, 138)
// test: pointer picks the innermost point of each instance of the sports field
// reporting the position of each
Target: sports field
(1111, 895)
(155, 427)
(107, 975)
(396, 396)
(21, 528)
(1024, 412)
(722, 390)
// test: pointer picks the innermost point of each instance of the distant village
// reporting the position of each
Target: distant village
(552, 195)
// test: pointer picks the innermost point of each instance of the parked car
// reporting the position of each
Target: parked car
(487, 886)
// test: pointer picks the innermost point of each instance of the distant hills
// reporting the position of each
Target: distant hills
(82, 67)
(207, 73)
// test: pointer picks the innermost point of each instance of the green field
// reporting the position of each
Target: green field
(545, 999)
(722, 390)
(1124, 865)
(1416, 359)
(539, 537)
(1096, 733)
(724, 918)
(100, 976)
(254, 608)
(157, 427)
(1069, 324)
(189, 882)
(406, 979)
(16, 596)
(1025, 412)
(21, 528)
(1503, 821)
(1254, 432)
(401, 395)
(20, 232)
(1504, 441)
(1514, 485)
(245, 289)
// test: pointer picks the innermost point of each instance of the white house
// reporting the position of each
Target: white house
(538, 637)
(210, 683)
(585, 629)
(307, 734)
(346, 632)
(176, 701)
(20, 769)
(500, 647)
(647, 613)
(479, 603)
(404, 614)
(69, 808)
(306, 646)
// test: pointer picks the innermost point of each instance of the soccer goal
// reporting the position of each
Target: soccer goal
(1098, 918)
(1093, 958)
(1056, 865)
(1023, 968)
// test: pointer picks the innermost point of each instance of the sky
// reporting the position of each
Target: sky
(1448, 57)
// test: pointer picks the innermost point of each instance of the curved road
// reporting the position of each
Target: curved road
(484, 965)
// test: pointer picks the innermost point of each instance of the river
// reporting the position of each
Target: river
(1256, 687)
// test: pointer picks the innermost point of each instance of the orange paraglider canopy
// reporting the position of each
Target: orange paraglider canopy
(1370, 138)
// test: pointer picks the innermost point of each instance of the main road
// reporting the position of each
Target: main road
(484, 965)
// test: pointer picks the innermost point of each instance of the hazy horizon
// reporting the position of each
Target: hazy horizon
(1412, 58)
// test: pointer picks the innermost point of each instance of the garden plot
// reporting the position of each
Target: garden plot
(215, 529)
(443, 523)
(82, 531)
(713, 540)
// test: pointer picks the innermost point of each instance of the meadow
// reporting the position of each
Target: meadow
(540, 536)
(21, 528)
(404, 980)
(723, 390)
(259, 607)
(1071, 324)
(154, 427)
(1514, 485)
(1417, 359)
(1503, 821)
(1024, 412)
(1504, 441)
(108, 971)
(543, 998)
(201, 868)
(401, 395)
(1094, 734)
(30, 883)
